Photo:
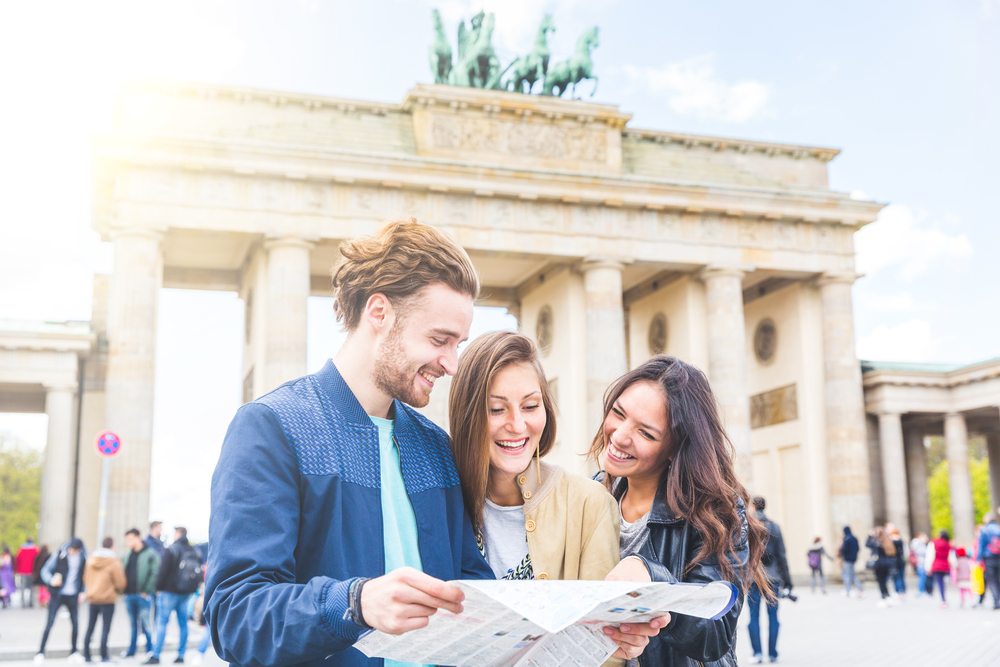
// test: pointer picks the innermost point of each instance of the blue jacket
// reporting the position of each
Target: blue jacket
(989, 541)
(297, 516)
(849, 549)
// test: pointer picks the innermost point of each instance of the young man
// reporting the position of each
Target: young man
(63, 574)
(335, 506)
(24, 565)
(153, 540)
(179, 577)
(989, 555)
(142, 566)
(104, 579)
(776, 565)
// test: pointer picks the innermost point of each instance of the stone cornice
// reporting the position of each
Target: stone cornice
(199, 153)
(47, 336)
(985, 370)
(739, 145)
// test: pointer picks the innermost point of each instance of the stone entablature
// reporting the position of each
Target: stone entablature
(911, 388)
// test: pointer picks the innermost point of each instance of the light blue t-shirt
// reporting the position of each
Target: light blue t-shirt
(399, 525)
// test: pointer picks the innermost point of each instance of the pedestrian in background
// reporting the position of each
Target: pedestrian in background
(7, 585)
(883, 559)
(181, 572)
(941, 568)
(899, 567)
(815, 557)
(103, 579)
(63, 574)
(141, 565)
(24, 564)
(988, 554)
(153, 540)
(776, 566)
(36, 576)
(918, 551)
(849, 549)
(961, 575)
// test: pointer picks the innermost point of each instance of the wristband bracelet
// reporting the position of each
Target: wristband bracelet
(353, 612)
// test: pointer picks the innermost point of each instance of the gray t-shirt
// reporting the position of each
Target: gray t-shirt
(69, 585)
(632, 535)
(504, 537)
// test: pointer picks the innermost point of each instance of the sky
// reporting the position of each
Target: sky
(909, 91)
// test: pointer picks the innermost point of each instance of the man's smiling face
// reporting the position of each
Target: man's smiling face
(422, 344)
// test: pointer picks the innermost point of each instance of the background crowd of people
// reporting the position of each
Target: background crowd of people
(154, 580)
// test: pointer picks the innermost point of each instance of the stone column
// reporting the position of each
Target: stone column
(897, 506)
(287, 296)
(957, 447)
(132, 307)
(606, 362)
(727, 360)
(993, 456)
(56, 506)
(916, 475)
(847, 452)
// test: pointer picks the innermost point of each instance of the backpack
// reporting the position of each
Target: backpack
(190, 571)
(993, 546)
(814, 559)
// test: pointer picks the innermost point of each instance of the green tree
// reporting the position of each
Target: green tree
(939, 490)
(20, 491)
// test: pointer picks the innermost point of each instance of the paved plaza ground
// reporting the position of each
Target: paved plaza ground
(817, 631)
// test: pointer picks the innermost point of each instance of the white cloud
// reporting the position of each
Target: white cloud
(909, 341)
(693, 88)
(902, 238)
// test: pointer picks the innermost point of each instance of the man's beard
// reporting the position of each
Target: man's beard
(392, 373)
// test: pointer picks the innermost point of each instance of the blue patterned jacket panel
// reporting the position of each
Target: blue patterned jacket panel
(297, 516)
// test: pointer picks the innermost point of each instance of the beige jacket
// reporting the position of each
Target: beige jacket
(572, 524)
(103, 577)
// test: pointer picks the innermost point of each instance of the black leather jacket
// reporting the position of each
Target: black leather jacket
(688, 640)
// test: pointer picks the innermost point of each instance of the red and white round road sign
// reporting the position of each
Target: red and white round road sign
(108, 444)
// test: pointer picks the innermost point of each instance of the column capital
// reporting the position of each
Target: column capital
(591, 263)
(847, 277)
(142, 232)
(66, 386)
(711, 271)
(272, 242)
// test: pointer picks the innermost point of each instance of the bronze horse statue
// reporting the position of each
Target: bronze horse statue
(532, 67)
(573, 71)
(440, 51)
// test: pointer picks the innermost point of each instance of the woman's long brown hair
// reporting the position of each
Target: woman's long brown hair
(468, 410)
(699, 483)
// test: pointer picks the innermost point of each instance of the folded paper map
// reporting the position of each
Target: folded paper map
(543, 623)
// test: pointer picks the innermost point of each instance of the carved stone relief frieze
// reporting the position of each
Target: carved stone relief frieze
(669, 224)
(457, 210)
(774, 407)
(784, 234)
(589, 220)
(365, 200)
(527, 139)
(546, 217)
(711, 228)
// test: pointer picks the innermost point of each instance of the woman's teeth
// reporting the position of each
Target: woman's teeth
(618, 454)
(510, 444)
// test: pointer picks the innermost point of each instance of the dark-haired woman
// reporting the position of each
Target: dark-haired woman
(941, 567)
(669, 464)
(532, 519)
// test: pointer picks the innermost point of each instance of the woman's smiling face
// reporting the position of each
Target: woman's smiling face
(517, 418)
(636, 435)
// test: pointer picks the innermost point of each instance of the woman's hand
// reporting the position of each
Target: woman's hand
(632, 638)
(630, 569)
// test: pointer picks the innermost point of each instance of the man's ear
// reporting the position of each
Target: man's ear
(379, 313)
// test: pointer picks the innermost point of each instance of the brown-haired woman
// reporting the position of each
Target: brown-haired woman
(533, 520)
(669, 464)
(884, 555)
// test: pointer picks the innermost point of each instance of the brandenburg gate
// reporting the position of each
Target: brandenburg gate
(607, 242)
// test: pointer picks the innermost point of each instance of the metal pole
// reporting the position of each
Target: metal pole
(102, 512)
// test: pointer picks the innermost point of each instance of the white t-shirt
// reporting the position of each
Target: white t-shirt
(504, 537)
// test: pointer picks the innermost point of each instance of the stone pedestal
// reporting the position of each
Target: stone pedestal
(897, 504)
(847, 453)
(605, 334)
(287, 296)
(55, 515)
(916, 475)
(727, 359)
(132, 308)
(963, 518)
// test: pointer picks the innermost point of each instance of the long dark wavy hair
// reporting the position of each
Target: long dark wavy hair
(699, 482)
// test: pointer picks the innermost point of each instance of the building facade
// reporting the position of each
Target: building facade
(608, 243)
